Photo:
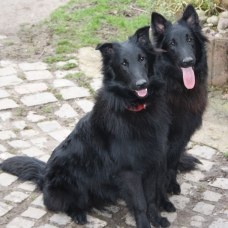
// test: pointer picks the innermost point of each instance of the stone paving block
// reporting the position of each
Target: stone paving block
(170, 216)
(31, 88)
(6, 63)
(203, 151)
(7, 104)
(129, 220)
(39, 142)
(85, 105)
(7, 135)
(96, 83)
(44, 158)
(10, 81)
(38, 75)
(16, 197)
(62, 83)
(194, 176)
(60, 219)
(7, 71)
(7, 179)
(62, 63)
(74, 92)
(204, 208)
(19, 144)
(29, 133)
(20, 223)
(48, 126)
(207, 165)
(47, 226)
(38, 99)
(66, 111)
(197, 221)
(34, 118)
(6, 155)
(5, 115)
(179, 201)
(28, 186)
(2, 148)
(112, 208)
(220, 183)
(33, 66)
(62, 74)
(3, 93)
(95, 222)
(39, 201)
(32, 152)
(187, 188)
(60, 135)
(103, 213)
(33, 213)
(4, 208)
(19, 124)
(220, 223)
(224, 169)
(212, 196)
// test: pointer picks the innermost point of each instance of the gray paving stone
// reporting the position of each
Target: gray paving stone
(20, 223)
(10, 81)
(32, 152)
(85, 105)
(29, 133)
(39, 201)
(204, 208)
(220, 183)
(33, 66)
(96, 83)
(3, 93)
(112, 208)
(2, 148)
(19, 144)
(28, 186)
(31, 88)
(62, 83)
(6, 63)
(19, 124)
(66, 111)
(224, 169)
(60, 135)
(62, 63)
(203, 151)
(34, 118)
(197, 221)
(129, 220)
(7, 135)
(47, 226)
(39, 142)
(7, 104)
(7, 179)
(212, 196)
(4, 208)
(38, 75)
(38, 99)
(48, 126)
(2, 37)
(62, 74)
(187, 188)
(95, 222)
(170, 216)
(16, 197)
(74, 92)
(44, 158)
(5, 115)
(220, 223)
(207, 165)
(7, 71)
(103, 213)
(60, 219)
(6, 155)
(179, 201)
(33, 213)
(194, 176)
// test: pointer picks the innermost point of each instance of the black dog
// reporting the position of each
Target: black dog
(118, 150)
(184, 67)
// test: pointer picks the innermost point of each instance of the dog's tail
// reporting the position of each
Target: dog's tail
(26, 168)
(187, 162)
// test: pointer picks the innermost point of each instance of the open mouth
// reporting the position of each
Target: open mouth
(188, 77)
(141, 93)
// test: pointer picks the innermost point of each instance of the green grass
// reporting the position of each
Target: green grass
(58, 58)
(69, 66)
(226, 155)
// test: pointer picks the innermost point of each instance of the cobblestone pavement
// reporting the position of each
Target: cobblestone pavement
(38, 109)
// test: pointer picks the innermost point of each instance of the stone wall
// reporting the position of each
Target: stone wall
(217, 53)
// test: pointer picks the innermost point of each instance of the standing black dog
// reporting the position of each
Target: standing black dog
(118, 150)
(184, 67)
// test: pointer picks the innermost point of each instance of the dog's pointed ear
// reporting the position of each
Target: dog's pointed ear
(105, 48)
(190, 16)
(142, 35)
(158, 24)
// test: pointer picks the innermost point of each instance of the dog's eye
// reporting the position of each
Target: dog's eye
(124, 63)
(141, 58)
(172, 44)
(190, 40)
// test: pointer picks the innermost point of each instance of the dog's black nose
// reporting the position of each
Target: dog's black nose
(188, 61)
(141, 84)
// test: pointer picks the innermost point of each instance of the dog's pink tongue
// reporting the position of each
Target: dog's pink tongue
(141, 93)
(188, 77)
